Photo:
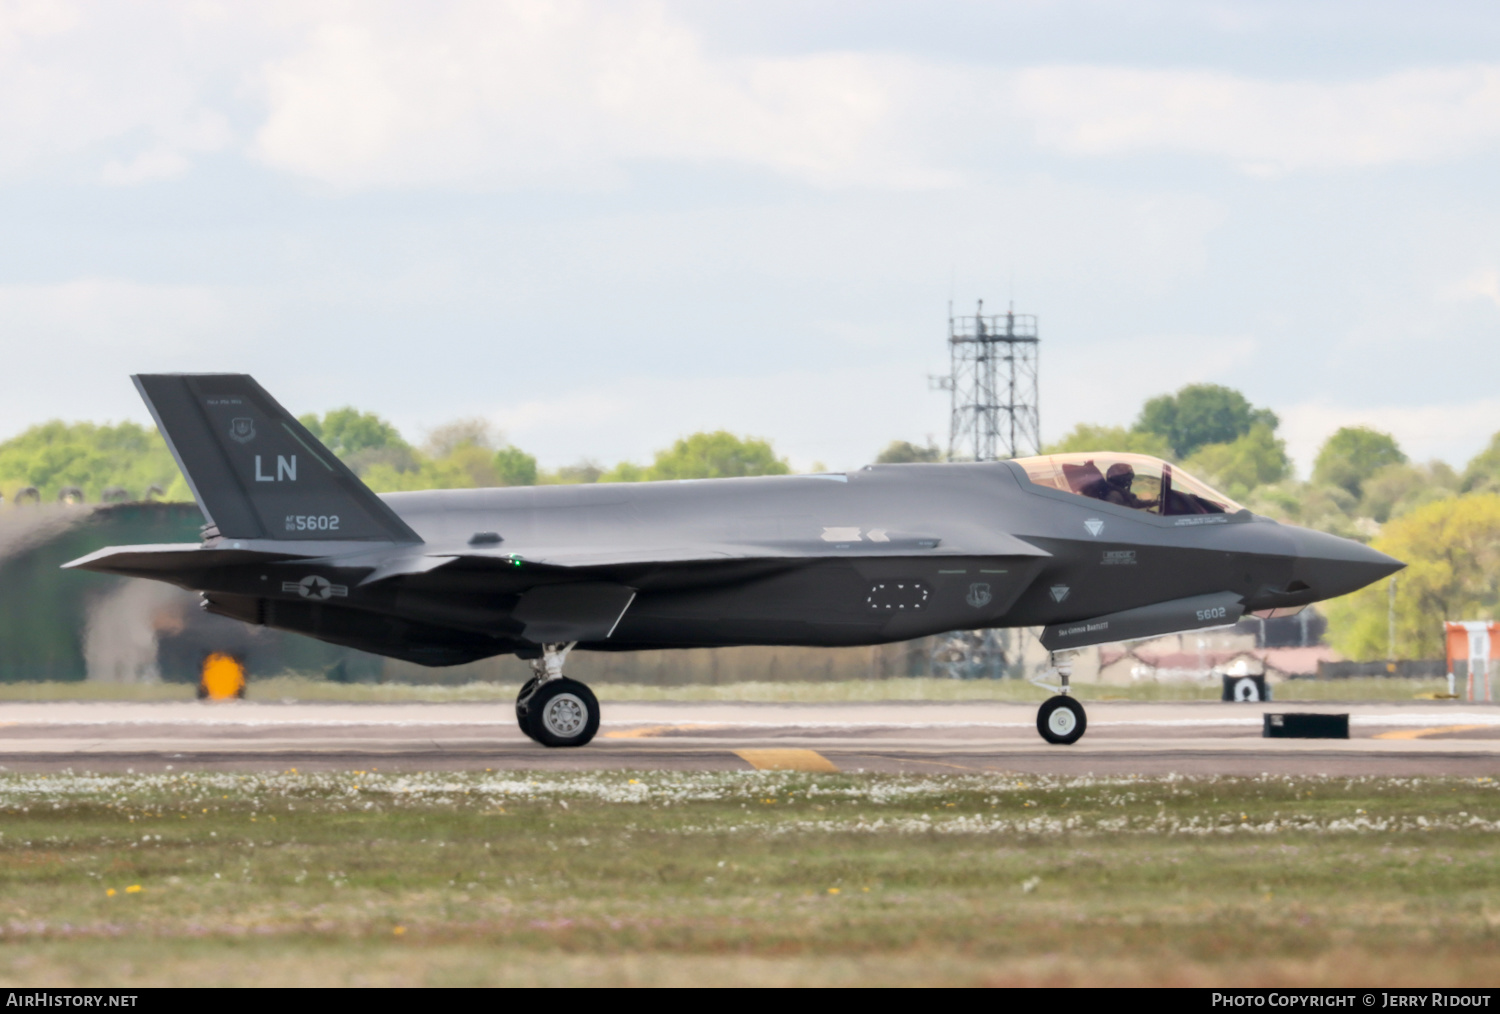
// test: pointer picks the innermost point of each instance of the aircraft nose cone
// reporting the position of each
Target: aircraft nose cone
(1332, 566)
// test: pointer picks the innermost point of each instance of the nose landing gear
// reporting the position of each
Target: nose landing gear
(552, 709)
(1060, 719)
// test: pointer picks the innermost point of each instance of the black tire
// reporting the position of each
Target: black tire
(526, 689)
(560, 712)
(1061, 720)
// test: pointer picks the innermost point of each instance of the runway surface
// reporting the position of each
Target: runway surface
(1409, 738)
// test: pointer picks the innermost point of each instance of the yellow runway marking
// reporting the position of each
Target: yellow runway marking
(1419, 733)
(786, 760)
(647, 731)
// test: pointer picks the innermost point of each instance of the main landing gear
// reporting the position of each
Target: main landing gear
(1060, 719)
(552, 709)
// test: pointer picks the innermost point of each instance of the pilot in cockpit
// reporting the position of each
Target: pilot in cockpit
(1118, 479)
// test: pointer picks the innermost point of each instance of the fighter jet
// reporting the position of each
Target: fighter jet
(1091, 547)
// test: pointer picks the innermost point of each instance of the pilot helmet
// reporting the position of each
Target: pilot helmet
(1120, 475)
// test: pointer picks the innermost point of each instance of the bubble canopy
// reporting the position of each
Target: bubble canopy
(1137, 481)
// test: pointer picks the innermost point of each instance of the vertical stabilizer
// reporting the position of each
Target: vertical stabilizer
(257, 472)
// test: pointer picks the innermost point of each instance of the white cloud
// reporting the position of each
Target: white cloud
(1482, 284)
(148, 166)
(841, 422)
(1451, 432)
(24, 19)
(122, 86)
(495, 94)
(69, 347)
(95, 314)
(718, 289)
(1264, 127)
(522, 93)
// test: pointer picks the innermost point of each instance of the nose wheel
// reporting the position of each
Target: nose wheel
(1061, 720)
(554, 710)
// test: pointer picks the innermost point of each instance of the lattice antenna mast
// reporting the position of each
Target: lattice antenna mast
(993, 381)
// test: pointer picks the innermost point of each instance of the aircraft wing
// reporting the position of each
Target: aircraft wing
(175, 562)
(987, 544)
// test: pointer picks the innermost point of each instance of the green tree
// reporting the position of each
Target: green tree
(717, 455)
(347, 431)
(714, 455)
(473, 432)
(1201, 414)
(92, 457)
(1086, 437)
(1451, 549)
(901, 452)
(1256, 459)
(1483, 472)
(362, 440)
(1352, 455)
(464, 467)
(464, 454)
(583, 472)
(515, 467)
(1324, 508)
(627, 471)
(387, 478)
(1398, 489)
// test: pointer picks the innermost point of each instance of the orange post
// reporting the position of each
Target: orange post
(223, 678)
(1475, 642)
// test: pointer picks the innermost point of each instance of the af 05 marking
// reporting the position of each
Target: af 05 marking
(312, 522)
(285, 470)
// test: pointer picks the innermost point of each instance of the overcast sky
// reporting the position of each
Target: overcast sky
(607, 225)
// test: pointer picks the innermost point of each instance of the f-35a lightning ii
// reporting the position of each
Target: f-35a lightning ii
(1092, 547)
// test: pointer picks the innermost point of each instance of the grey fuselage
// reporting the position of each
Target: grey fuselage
(885, 553)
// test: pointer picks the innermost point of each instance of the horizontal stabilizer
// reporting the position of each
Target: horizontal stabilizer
(163, 561)
(561, 613)
(1195, 613)
(257, 472)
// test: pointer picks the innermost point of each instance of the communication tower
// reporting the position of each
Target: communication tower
(993, 383)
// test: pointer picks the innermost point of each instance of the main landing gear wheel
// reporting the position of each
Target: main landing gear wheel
(1061, 720)
(559, 712)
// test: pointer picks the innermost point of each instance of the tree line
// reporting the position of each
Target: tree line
(1443, 522)
(55, 457)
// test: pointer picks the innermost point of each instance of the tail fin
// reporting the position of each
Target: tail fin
(255, 471)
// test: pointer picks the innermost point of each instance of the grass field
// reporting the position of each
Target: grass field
(760, 878)
(297, 688)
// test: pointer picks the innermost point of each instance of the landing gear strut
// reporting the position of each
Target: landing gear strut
(1060, 719)
(552, 709)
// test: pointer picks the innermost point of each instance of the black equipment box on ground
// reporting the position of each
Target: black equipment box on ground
(1252, 689)
(1306, 725)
